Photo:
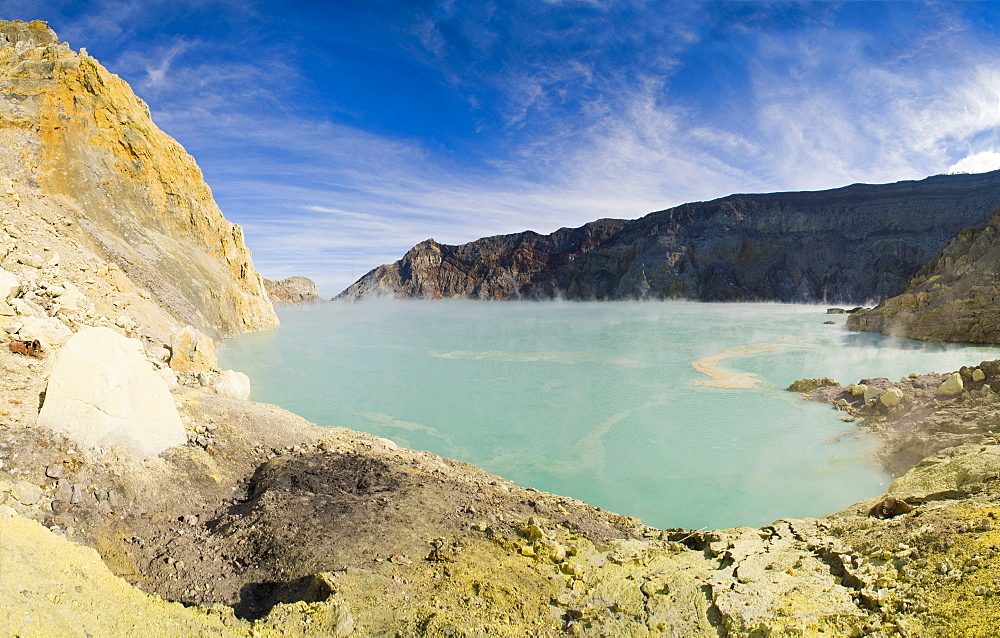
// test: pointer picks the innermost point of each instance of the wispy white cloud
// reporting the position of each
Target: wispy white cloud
(156, 70)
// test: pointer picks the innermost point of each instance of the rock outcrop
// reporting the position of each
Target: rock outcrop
(192, 351)
(953, 298)
(292, 291)
(102, 391)
(81, 154)
(845, 245)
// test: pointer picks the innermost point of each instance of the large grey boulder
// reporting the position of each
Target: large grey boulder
(103, 391)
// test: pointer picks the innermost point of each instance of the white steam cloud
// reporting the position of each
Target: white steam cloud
(977, 163)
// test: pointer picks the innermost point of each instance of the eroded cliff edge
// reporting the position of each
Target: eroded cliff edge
(955, 297)
(845, 245)
(82, 153)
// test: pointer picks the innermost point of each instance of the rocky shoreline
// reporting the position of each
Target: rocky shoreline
(246, 520)
(265, 523)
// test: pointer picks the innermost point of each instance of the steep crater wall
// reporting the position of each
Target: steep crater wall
(847, 245)
(953, 298)
(78, 143)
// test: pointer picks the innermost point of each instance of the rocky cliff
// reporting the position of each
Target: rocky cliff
(81, 154)
(292, 291)
(955, 297)
(845, 245)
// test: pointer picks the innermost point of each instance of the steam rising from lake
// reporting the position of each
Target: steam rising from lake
(600, 401)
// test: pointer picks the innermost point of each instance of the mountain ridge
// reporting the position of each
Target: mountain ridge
(845, 245)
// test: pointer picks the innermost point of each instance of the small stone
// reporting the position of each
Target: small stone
(399, 559)
(63, 490)
(978, 375)
(527, 550)
(891, 397)
(59, 506)
(535, 532)
(345, 621)
(54, 471)
(77, 496)
(191, 519)
(565, 599)
(26, 493)
(979, 591)
(858, 390)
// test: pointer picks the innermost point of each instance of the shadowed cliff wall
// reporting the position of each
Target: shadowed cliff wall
(846, 245)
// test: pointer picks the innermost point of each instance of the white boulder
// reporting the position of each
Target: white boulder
(169, 377)
(103, 391)
(10, 285)
(48, 330)
(27, 307)
(233, 384)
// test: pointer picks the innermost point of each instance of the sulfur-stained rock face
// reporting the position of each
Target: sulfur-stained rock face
(953, 298)
(192, 351)
(79, 149)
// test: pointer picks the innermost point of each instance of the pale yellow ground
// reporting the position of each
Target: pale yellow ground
(50, 586)
(721, 377)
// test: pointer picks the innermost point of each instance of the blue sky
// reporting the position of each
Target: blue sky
(340, 133)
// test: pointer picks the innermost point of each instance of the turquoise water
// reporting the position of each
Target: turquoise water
(599, 401)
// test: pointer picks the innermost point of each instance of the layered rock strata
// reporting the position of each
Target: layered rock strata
(82, 155)
(953, 298)
(846, 245)
(292, 291)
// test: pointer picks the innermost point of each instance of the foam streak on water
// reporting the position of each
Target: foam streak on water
(618, 404)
